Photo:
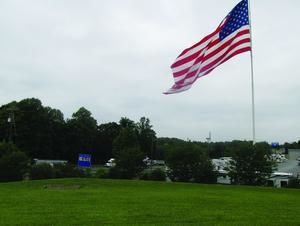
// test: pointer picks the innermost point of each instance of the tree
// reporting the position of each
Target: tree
(188, 163)
(251, 164)
(146, 136)
(130, 162)
(13, 163)
(39, 131)
(217, 150)
(81, 134)
(127, 151)
(106, 134)
(127, 138)
(165, 145)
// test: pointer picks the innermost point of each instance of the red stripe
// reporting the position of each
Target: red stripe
(207, 67)
(186, 60)
(210, 45)
(217, 62)
(239, 51)
(189, 75)
(201, 41)
(203, 59)
(180, 73)
(226, 44)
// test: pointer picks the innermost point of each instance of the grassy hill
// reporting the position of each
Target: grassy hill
(118, 202)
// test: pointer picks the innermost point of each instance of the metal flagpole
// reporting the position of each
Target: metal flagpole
(252, 78)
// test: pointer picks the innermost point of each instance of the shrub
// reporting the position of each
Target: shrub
(13, 166)
(67, 170)
(101, 173)
(119, 173)
(294, 183)
(129, 163)
(46, 171)
(158, 175)
(42, 171)
(189, 163)
(145, 175)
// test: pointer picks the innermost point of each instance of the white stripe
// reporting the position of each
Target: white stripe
(190, 63)
(170, 91)
(192, 69)
(214, 57)
(213, 48)
(197, 48)
(221, 53)
(248, 44)
(203, 45)
(189, 80)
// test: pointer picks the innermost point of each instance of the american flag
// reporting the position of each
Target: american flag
(231, 37)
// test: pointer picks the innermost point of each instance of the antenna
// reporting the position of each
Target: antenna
(209, 137)
(12, 125)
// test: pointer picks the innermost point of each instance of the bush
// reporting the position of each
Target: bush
(119, 173)
(67, 170)
(156, 175)
(46, 171)
(145, 175)
(189, 163)
(294, 183)
(129, 163)
(13, 166)
(102, 173)
(6, 148)
(42, 171)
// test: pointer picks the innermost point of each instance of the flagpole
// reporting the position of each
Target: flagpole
(252, 77)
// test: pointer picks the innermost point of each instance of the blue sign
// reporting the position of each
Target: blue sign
(84, 160)
(275, 145)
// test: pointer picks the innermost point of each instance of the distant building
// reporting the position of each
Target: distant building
(110, 163)
(48, 161)
(287, 168)
(279, 179)
(221, 166)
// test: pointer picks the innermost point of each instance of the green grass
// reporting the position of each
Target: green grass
(117, 202)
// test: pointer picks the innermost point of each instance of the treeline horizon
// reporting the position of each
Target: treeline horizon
(42, 132)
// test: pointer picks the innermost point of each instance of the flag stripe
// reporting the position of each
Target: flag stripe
(235, 50)
(182, 64)
(211, 57)
(198, 46)
(231, 38)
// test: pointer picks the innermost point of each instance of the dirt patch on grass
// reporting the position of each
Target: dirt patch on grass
(62, 186)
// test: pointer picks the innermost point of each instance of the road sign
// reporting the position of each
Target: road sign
(275, 145)
(84, 160)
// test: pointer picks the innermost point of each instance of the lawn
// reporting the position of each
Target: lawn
(121, 202)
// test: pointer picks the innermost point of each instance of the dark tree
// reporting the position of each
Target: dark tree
(146, 137)
(251, 164)
(81, 134)
(106, 134)
(127, 138)
(36, 130)
(130, 162)
(188, 163)
(13, 163)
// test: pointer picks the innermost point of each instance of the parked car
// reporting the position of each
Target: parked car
(110, 163)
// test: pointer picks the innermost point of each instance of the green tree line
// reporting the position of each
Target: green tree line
(42, 132)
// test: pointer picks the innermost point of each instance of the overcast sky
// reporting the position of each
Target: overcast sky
(113, 57)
